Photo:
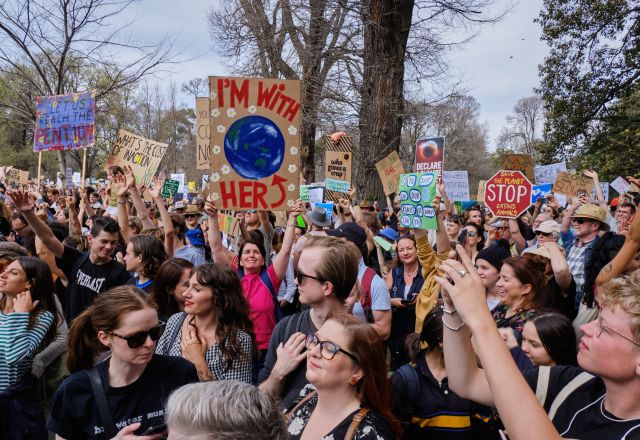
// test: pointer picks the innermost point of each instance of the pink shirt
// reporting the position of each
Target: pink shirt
(261, 305)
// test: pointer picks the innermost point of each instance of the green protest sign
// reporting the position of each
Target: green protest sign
(170, 188)
(304, 193)
(417, 191)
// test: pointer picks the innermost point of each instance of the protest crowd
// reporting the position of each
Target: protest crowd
(128, 312)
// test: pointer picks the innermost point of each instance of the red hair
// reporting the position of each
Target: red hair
(373, 389)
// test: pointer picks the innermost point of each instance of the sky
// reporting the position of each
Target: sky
(499, 66)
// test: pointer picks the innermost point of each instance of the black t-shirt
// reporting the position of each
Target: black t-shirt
(582, 415)
(74, 414)
(86, 280)
(296, 380)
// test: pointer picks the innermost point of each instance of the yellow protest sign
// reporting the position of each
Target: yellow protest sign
(390, 169)
(481, 190)
(142, 155)
(255, 142)
(519, 162)
(17, 176)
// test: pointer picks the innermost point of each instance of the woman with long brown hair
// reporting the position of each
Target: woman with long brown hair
(171, 281)
(133, 382)
(348, 396)
(214, 332)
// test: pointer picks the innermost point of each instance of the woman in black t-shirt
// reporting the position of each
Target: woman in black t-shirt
(134, 381)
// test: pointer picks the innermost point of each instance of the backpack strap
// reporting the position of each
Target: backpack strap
(565, 392)
(365, 289)
(297, 317)
(110, 430)
(355, 422)
(175, 332)
(266, 280)
(308, 397)
(411, 385)
(542, 386)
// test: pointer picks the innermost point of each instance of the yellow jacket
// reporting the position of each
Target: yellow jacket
(430, 262)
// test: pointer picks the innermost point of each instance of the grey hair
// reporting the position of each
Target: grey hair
(223, 410)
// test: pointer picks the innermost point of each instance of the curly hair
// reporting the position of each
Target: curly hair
(152, 251)
(231, 310)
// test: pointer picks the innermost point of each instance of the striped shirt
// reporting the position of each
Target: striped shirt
(19, 344)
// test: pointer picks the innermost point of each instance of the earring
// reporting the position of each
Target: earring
(353, 381)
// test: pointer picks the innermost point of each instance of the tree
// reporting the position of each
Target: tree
(290, 39)
(57, 47)
(456, 118)
(594, 61)
(524, 127)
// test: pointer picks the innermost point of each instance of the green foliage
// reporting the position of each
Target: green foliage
(594, 61)
(614, 149)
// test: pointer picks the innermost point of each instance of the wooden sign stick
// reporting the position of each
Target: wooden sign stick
(84, 168)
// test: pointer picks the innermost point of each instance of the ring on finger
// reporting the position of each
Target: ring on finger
(462, 273)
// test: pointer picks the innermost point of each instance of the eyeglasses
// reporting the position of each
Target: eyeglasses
(604, 327)
(190, 216)
(580, 220)
(544, 234)
(138, 339)
(328, 349)
(300, 276)
(471, 234)
(251, 211)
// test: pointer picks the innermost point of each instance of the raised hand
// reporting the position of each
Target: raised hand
(210, 209)
(129, 177)
(156, 189)
(23, 302)
(591, 173)
(22, 200)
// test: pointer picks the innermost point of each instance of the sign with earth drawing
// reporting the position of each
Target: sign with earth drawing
(255, 142)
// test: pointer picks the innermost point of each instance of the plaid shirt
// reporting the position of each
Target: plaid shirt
(576, 262)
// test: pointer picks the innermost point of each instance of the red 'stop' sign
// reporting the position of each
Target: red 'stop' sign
(508, 194)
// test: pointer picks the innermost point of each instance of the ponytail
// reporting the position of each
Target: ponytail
(105, 314)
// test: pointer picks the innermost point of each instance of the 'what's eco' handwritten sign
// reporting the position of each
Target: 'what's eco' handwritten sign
(417, 191)
(142, 155)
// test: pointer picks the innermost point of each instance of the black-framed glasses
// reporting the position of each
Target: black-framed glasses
(328, 349)
(137, 340)
(544, 234)
(580, 220)
(604, 327)
(190, 216)
(300, 276)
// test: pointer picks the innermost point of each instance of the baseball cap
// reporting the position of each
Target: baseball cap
(352, 232)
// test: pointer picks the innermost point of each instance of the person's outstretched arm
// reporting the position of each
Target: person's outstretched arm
(627, 252)
(281, 261)
(25, 204)
(169, 232)
(141, 208)
(219, 254)
(500, 382)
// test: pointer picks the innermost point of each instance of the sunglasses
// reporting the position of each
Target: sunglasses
(544, 234)
(580, 221)
(328, 349)
(300, 276)
(137, 340)
(190, 216)
(471, 234)
(251, 211)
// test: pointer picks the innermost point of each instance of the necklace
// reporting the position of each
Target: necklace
(411, 274)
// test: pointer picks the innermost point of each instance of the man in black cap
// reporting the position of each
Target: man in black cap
(374, 305)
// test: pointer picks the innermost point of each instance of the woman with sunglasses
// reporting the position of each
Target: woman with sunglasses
(214, 331)
(472, 239)
(348, 392)
(133, 383)
(404, 283)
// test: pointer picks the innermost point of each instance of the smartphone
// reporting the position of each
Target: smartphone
(409, 301)
(581, 192)
(155, 429)
(543, 200)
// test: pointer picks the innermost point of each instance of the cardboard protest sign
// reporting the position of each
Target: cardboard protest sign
(17, 177)
(429, 154)
(227, 223)
(417, 191)
(255, 142)
(65, 122)
(481, 187)
(203, 134)
(142, 155)
(338, 158)
(456, 184)
(572, 184)
(620, 185)
(390, 169)
(169, 188)
(538, 191)
(548, 173)
(519, 162)
(191, 187)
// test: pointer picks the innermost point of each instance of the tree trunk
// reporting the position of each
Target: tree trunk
(386, 30)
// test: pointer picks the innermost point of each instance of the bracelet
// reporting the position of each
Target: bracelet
(449, 312)
(454, 329)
